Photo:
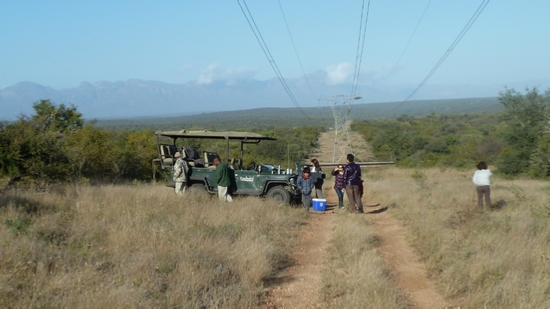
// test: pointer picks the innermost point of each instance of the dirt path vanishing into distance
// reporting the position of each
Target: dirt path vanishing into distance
(299, 285)
(326, 150)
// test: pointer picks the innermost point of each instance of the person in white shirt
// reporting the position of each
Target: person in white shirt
(482, 180)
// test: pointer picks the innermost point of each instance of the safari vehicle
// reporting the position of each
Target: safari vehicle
(256, 179)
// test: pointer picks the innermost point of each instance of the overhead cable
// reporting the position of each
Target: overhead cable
(449, 50)
(359, 57)
(296, 51)
(360, 48)
(267, 53)
(410, 39)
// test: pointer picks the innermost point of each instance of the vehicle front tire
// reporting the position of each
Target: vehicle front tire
(279, 194)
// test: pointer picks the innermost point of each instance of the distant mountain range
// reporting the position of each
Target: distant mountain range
(138, 98)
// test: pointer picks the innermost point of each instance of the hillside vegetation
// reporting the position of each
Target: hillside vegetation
(265, 118)
(57, 143)
(515, 140)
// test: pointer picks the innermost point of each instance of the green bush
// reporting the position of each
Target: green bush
(516, 140)
(56, 143)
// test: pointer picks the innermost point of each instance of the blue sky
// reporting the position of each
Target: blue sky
(63, 43)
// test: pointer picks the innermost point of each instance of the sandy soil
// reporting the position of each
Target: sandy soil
(408, 273)
(299, 285)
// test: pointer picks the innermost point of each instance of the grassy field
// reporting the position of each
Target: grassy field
(142, 246)
(496, 258)
(139, 246)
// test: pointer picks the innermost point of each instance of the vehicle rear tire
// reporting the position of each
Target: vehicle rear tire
(279, 194)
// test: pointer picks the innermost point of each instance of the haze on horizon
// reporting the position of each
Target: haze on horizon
(199, 45)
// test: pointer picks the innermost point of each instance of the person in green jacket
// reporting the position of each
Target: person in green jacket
(223, 180)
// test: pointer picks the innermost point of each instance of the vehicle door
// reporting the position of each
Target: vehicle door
(248, 182)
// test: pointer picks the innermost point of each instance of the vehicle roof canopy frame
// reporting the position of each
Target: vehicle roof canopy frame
(243, 137)
(231, 135)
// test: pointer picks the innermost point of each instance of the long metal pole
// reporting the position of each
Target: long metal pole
(227, 149)
(288, 156)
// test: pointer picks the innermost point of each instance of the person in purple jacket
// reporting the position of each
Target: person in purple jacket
(352, 180)
(338, 174)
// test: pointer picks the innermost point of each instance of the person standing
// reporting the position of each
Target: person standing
(305, 185)
(316, 168)
(181, 171)
(338, 174)
(482, 180)
(352, 180)
(223, 180)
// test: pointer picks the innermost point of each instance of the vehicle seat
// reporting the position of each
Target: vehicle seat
(167, 153)
(209, 158)
(192, 156)
(238, 164)
(231, 163)
(185, 157)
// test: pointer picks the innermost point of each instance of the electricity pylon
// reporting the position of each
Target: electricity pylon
(341, 110)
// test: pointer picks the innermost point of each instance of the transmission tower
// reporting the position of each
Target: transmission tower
(341, 111)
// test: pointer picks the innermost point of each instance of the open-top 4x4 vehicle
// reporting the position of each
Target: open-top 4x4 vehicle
(257, 179)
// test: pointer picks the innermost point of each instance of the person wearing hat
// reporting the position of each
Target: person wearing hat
(180, 174)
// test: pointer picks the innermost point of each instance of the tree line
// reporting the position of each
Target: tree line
(516, 140)
(60, 145)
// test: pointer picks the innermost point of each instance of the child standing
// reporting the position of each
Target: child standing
(482, 180)
(305, 185)
(338, 174)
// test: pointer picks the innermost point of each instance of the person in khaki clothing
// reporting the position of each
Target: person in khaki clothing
(180, 174)
(223, 180)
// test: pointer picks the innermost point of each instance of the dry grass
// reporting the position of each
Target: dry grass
(355, 276)
(139, 246)
(498, 258)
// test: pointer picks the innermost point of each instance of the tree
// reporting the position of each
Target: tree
(57, 118)
(525, 118)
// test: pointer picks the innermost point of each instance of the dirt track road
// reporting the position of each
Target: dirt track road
(408, 273)
(299, 285)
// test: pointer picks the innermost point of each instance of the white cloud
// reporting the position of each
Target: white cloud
(186, 68)
(339, 74)
(230, 76)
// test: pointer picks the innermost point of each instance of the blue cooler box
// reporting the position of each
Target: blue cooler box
(319, 204)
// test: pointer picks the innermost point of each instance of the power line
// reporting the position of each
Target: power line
(296, 51)
(360, 44)
(342, 115)
(410, 39)
(267, 53)
(449, 50)
(357, 70)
